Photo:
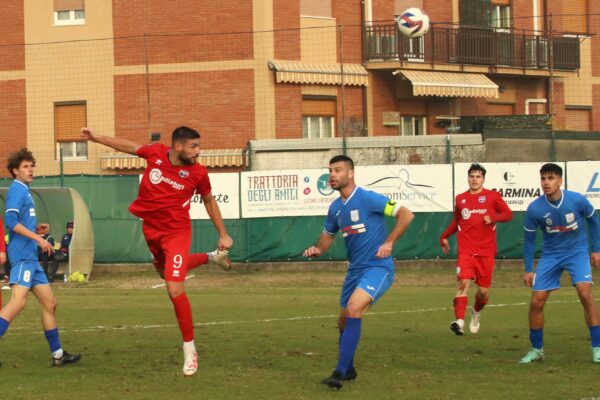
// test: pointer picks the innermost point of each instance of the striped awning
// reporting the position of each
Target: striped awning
(321, 74)
(450, 84)
(208, 158)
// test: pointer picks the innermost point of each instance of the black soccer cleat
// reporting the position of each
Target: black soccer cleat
(351, 374)
(334, 381)
(67, 358)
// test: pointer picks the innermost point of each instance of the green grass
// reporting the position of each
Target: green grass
(253, 346)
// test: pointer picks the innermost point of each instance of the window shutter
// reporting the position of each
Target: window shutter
(577, 120)
(66, 5)
(574, 16)
(316, 8)
(318, 108)
(68, 121)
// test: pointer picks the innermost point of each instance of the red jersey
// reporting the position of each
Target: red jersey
(166, 190)
(474, 237)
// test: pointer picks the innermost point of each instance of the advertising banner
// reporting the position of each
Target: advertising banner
(584, 177)
(517, 183)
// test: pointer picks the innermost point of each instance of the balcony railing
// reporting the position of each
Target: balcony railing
(476, 46)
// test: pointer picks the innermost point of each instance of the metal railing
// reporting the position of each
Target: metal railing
(472, 45)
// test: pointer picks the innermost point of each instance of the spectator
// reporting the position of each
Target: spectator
(63, 252)
(48, 262)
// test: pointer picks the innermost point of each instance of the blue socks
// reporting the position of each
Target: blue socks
(53, 340)
(3, 326)
(536, 337)
(348, 344)
(595, 335)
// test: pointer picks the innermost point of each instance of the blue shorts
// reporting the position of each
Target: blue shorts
(373, 280)
(550, 268)
(27, 273)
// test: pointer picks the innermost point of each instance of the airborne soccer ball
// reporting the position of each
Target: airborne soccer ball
(413, 23)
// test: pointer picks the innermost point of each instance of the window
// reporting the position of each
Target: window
(412, 126)
(69, 12)
(317, 127)
(72, 151)
(69, 118)
(501, 17)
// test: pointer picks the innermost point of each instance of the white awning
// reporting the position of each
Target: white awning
(450, 84)
(323, 74)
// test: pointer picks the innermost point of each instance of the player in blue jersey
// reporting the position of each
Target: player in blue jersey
(360, 215)
(561, 215)
(26, 274)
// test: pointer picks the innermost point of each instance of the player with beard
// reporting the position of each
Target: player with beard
(359, 215)
(172, 176)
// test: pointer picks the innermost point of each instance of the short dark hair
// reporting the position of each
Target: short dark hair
(477, 167)
(184, 133)
(551, 168)
(16, 158)
(342, 158)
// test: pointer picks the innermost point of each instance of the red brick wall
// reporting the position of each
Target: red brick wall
(288, 111)
(349, 14)
(520, 9)
(12, 36)
(559, 105)
(210, 25)
(13, 119)
(383, 11)
(353, 110)
(219, 104)
(438, 11)
(528, 89)
(384, 99)
(595, 123)
(286, 23)
(594, 7)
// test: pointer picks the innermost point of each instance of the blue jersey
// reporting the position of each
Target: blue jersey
(562, 223)
(362, 222)
(20, 209)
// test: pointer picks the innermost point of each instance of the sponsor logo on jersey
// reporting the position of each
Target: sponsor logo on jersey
(354, 216)
(466, 213)
(184, 173)
(157, 177)
(353, 230)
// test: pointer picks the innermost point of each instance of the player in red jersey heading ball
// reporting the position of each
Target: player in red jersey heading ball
(170, 179)
(475, 215)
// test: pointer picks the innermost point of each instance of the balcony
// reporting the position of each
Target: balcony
(473, 46)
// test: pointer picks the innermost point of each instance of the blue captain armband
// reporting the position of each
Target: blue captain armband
(391, 208)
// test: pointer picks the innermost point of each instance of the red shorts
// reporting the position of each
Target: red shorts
(170, 251)
(479, 268)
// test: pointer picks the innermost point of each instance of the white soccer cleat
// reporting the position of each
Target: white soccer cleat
(190, 364)
(458, 327)
(221, 258)
(474, 324)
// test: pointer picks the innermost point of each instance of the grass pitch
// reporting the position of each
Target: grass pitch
(272, 335)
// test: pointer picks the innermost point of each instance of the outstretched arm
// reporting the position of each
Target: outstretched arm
(321, 247)
(403, 219)
(119, 144)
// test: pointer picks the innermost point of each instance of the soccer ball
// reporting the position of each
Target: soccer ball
(413, 23)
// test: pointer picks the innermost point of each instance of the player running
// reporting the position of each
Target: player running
(475, 215)
(561, 215)
(26, 274)
(171, 178)
(360, 215)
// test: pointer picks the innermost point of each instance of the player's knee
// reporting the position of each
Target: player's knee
(354, 311)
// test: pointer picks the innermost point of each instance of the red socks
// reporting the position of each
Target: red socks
(196, 260)
(460, 306)
(183, 312)
(480, 302)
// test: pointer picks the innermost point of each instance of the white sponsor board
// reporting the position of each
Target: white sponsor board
(286, 193)
(518, 183)
(420, 188)
(225, 190)
(584, 177)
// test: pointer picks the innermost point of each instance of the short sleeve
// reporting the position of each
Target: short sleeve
(331, 222)
(374, 202)
(147, 150)
(203, 187)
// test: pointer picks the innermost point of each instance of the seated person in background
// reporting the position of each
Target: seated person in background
(49, 264)
(63, 253)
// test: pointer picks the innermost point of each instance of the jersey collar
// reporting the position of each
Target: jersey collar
(349, 197)
(562, 198)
